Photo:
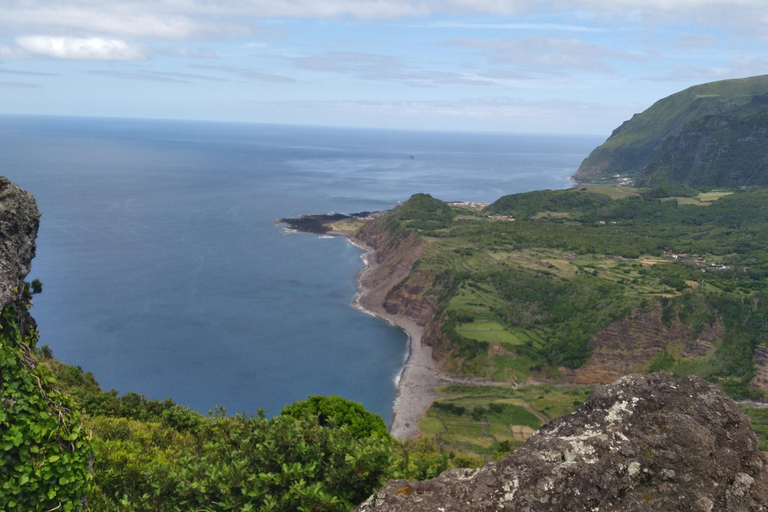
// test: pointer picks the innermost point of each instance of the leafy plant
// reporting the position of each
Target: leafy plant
(44, 449)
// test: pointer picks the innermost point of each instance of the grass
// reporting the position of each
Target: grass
(759, 419)
(613, 191)
(347, 225)
(489, 331)
(478, 419)
(703, 199)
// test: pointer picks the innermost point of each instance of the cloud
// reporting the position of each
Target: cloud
(157, 76)
(249, 74)
(18, 85)
(557, 27)
(164, 20)
(24, 73)
(547, 55)
(694, 41)
(128, 19)
(91, 48)
(385, 68)
(735, 67)
(181, 51)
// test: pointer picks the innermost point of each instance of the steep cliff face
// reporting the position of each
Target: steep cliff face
(19, 221)
(392, 283)
(644, 443)
(628, 345)
(717, 151)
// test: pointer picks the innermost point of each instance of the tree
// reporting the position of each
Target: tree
(336, 411)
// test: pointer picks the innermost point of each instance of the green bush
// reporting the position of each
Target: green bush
(337, 411)
(44, 449)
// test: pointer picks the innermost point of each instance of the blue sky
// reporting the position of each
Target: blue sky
(523, 66)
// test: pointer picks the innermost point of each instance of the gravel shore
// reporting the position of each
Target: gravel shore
(416, 386)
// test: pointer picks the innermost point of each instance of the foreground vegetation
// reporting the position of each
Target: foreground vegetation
(66, 442)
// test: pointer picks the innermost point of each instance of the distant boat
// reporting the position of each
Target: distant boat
(411, 157)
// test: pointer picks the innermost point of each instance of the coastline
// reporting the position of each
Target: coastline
(418, 378)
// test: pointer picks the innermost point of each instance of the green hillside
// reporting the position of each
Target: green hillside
(636, 143)
(717, 151)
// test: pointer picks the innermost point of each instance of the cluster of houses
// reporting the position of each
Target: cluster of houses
(471, 206)
(696, 260)
(622, 182)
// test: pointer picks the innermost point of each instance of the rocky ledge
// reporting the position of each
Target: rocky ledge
(642, 443)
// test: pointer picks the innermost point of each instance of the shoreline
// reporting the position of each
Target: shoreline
(418, 378)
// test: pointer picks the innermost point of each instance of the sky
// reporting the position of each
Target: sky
(516, 66)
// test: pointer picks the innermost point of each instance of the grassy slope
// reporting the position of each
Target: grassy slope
(717, 151)
(637, 141)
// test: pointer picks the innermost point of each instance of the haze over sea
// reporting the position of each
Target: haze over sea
(164, 272)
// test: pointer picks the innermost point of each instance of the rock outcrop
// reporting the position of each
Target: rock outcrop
(643, 443)
(19, 220)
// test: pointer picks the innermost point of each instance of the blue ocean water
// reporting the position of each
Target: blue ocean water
(164, 272)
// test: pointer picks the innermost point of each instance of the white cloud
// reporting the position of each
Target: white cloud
(558, 27)
(248, 74)
(188, 19)
(157, 76)
(386, 68)
(735, 67)
(91, 48)
(547, 54)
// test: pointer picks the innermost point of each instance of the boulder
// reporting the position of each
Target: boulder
(642, 443)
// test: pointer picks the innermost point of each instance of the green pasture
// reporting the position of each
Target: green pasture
(488, 420)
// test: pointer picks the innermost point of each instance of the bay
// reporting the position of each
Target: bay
(164, 272)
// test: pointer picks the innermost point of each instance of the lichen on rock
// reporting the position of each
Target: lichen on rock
(642, 443)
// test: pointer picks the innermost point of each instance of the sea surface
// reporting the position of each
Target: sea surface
(164, 272)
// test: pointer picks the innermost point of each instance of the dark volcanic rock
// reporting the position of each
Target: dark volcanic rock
(318, 224)
(643, 443)
(19, 220)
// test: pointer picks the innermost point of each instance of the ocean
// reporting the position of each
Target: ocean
(164, 272)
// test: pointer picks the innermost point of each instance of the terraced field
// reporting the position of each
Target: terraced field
(490, 420)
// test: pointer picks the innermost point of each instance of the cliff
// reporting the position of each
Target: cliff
(628, 345)
(19, 221)
(391, 283)
(635, 144)
(717, 151)
(643, 443)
